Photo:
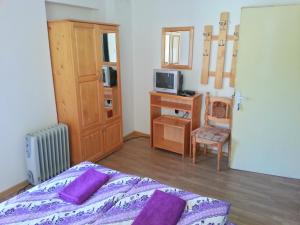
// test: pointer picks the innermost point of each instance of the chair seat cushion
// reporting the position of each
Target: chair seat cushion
(214, 134)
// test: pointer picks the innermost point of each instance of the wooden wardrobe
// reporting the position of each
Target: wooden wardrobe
(81, 52)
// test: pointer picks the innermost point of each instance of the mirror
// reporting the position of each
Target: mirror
(177, 47)
(109, 47)
(110, 75)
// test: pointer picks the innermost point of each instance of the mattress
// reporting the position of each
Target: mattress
(119, 201)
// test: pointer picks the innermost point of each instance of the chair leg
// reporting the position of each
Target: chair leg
(191, 148)
(205, 149)
(194, 149)
(219, 156)
(229, 152)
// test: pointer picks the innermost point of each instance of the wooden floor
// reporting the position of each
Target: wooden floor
(256, 199)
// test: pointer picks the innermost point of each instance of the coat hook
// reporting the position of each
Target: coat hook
(223, 23)
(221, 43)
(205, 53)
(206, 34)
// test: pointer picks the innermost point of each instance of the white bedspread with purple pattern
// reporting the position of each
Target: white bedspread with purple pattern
(199, 210)
(117, 202)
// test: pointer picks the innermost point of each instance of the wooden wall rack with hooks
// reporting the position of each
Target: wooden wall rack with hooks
(222, 39)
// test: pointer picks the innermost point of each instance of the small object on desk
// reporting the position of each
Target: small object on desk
(186, 93)
(83, 187)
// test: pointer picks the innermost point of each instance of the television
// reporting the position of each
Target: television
(169, 81)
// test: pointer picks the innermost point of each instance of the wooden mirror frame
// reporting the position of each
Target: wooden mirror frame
(189, 66)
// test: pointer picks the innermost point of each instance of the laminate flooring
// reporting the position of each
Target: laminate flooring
(256, 199)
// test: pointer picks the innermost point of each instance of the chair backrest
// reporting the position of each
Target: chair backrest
(218, 110)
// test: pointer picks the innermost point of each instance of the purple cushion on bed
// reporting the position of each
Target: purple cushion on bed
(83, 186)
(161, 209)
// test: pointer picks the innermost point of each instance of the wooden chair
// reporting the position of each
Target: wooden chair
(218, 111)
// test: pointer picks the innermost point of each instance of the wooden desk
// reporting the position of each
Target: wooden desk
(191, 105)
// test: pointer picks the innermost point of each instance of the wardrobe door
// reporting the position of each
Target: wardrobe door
(88, 90)
(89, 86)
(109, 63)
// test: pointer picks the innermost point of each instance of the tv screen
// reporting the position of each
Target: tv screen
(164, 80)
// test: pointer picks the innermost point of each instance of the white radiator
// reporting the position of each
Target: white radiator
(47, 153)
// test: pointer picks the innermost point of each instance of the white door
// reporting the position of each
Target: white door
(266, 129)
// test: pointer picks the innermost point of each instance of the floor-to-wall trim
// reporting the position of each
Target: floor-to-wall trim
(135, 134)
(12, 190)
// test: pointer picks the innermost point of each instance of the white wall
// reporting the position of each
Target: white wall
(62, 11)
(149, 16)
(141, 22)
(26, 89)
(89, 4)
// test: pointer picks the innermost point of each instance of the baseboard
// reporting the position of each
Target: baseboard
(12, 190)
(135, 134)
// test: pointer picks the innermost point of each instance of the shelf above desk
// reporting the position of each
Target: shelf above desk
(172, 121)
(173, 105)
(173, 96)
(171, 101)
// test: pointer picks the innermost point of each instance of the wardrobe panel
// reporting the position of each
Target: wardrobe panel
(89, 103)
(85, 48)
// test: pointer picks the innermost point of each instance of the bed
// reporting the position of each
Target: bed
(119, 201)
